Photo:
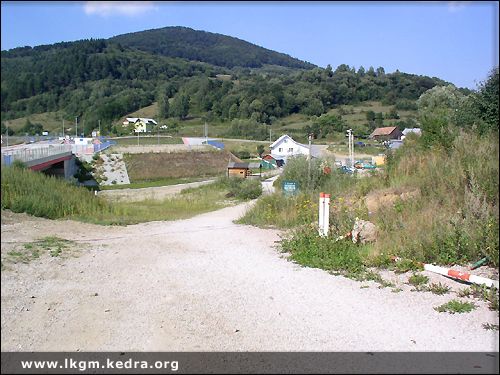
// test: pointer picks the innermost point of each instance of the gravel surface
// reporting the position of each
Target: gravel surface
(114, 169)
(207, 284)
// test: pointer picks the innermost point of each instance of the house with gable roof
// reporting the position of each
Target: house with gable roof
(285, 147)
(141, 125)
(385, 134)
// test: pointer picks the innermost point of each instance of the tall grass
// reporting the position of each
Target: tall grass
(37, 194)
(453, 220)
(47, 196)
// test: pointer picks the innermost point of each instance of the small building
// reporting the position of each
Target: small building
(268, 162)
(407, 131)
(141, 125)
(387, 133)
(241, 170)
(285, 147)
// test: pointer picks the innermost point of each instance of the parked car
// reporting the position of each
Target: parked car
(346, 169)
(359, 144)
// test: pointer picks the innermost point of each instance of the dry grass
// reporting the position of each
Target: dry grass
(155, 166)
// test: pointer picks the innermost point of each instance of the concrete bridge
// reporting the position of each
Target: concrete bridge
(55, 159)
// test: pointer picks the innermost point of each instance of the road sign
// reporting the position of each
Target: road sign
(290, 187)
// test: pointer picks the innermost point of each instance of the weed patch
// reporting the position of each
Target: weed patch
(438, 288)
(455, 306)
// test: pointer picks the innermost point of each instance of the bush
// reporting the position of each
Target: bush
(249, 189)
(242, 154)
(241, 188)
(297, 169)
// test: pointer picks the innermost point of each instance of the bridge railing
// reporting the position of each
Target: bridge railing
(32, 152)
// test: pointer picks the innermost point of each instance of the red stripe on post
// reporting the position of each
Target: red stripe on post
(459, 274)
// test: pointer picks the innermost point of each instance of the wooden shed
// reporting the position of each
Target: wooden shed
(241, 170)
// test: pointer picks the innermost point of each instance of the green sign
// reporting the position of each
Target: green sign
(290, 187)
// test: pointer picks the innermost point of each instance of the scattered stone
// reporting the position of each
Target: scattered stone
(364, 231)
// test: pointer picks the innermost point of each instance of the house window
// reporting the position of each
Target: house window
(280, 149)
(290, 149)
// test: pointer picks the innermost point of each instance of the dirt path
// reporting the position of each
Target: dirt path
(207, 284)
(158, 192)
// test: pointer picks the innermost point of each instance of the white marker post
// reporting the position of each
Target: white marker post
(326, 213)
(321, 216)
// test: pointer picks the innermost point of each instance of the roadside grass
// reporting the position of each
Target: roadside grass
(152, 183)
(36, 194)
(481, 292)
(50, 245)
(201, 200)
(448, 222)
(455, 306)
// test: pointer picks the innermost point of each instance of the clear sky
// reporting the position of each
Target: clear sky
(455, 41)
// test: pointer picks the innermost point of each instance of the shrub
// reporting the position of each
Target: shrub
(241, 188)
(249, 189)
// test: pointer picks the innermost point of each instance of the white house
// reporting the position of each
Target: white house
(141, 125)
(285, 147)
(407, 131)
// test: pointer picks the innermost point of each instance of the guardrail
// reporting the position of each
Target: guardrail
(32, 152)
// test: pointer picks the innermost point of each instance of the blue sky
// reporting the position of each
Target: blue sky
(455, 41)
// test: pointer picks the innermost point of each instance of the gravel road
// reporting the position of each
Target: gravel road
(207, 284)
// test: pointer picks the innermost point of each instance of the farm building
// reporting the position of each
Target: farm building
(384, 134)
(285, 147)
(241, 170)
(268, 162)
(141, 125)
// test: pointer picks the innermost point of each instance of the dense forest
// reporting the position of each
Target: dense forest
(107, 79)
(216, 49)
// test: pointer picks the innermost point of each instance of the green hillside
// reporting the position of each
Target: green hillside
(106, 80)
(216, 49)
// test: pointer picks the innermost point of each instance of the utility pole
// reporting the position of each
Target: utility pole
(63, 129)
(206, 132)
(99, 128)
(7, 135)
(270, 135)
(76, 127)
(351, 146)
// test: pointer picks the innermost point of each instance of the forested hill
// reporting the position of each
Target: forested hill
(104, 80)
(216, 49)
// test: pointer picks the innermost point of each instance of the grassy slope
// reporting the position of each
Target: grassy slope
(153, 166)
(194, 125)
